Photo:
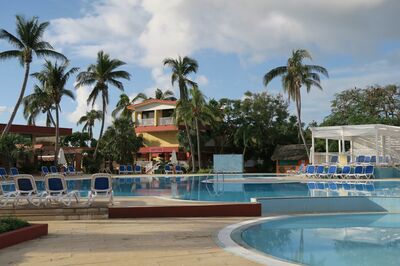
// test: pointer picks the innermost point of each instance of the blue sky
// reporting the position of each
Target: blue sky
(235, 43)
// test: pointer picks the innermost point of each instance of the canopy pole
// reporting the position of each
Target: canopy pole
(351, 150)
(326, 151)
(340, 146)
(312, 149)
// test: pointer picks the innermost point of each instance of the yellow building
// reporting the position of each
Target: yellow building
(154, 122)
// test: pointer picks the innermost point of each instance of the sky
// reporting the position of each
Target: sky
(234, 41)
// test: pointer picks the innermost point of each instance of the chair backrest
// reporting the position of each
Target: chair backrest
(367, 159)
(346, 170)
(55, 183)
(334, 159)
(358, 169)
(369, 169)
(360, 159)
(101, 183)
(53, 169)
(373, 159)
(310, 169)
(138, 168)
(25, 183)
(3, 172)
(332, 169)
(71, 169)
(14, 171)
(122, 168)
(179, 168)
(129, 168)
(167, 167)
(45, 170)
(320, 169)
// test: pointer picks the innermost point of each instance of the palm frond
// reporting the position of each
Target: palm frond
(10, 54)
(278, 71)
(13, 40)
(49, 53)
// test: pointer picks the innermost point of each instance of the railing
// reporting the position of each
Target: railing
(145, 122)
(166, 121)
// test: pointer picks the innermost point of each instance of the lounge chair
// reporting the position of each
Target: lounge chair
(26, 189)
(122, 169)
(367, 159)
(360, 159)
(129, 169)
(3, 173)
(168, 170)
(101, 186)
(5, 197)
(53, 169)
(178, 169)
(358, 170)
(346, 170)
(373, 159)
(14, 171)
(320, 171)
(138, 169)
(334, 159)
(310, 170)
(332, 170)
(45, 170)
(72, 171)
(368, 172)
(57, 190)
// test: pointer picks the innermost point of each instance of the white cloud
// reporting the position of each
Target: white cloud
(82, 107)
(201, 80)
(3, 109)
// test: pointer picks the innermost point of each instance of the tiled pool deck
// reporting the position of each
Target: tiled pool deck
(168, 241)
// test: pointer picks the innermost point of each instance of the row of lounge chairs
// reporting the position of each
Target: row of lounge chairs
(333, 188)
(347, 171)
(4, 175)
(168, 169)
(56, 190)
(70, 170)
(364, 159)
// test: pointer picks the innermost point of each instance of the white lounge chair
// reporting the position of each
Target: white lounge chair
(5, 197)
(57, 190)
(26, 189)
(101, 185)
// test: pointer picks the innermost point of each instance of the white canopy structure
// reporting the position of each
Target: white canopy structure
(374, 139)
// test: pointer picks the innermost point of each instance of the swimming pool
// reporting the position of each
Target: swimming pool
(235, 188)
(329, 240)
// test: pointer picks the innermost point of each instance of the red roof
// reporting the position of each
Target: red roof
(37, 130)
(150, 101)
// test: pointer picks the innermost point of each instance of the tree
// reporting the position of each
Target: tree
(77, 139)
(27, 42)
(295, 75)
(100, 76)
(181, 69)
(88, 120)
(36, 103)
(14, 147)
(55, 77)
(120, 142)
(164, 95)
(124, 102)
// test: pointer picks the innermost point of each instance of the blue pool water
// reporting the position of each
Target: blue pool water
(333, 240)
(205, 188)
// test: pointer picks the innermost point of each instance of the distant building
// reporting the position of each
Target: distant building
(289, 157)
(154, 121)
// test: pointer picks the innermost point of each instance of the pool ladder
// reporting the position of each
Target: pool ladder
(219, 187)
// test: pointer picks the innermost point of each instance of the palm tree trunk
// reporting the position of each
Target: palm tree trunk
(57, 136)
(198, 143)
(51, 118)
(21, 96)
(190, 145)
(298, 108)
(102, 127)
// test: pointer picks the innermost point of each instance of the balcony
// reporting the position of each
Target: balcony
(145, 122)
(164, 121)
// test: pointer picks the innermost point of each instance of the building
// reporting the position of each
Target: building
(154, 121)
(289, 157)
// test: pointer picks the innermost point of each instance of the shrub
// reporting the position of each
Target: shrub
(11, 223)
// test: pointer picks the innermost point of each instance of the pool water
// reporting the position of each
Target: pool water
(331, 240)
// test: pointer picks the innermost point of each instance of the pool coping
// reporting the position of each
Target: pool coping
(228, 238)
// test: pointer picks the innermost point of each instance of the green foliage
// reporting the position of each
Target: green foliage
(11, 223)
(88, 121)
(14, 147)
(77, 139)
(120, 142)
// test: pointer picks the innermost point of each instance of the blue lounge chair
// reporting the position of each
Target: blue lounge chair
(368, 172)
(310, 170)
(332, 170)
(72, 171)
(45, 170)
(138, 169)
(334, 159)
(373, 159)
(3, 173)
(358, 170)
(346, 170)
(53, 169)
(360, 159)
(178, 169)
(319, 171)
(367, 159)
(5, 197)
(122, 169)
(129, 169)
(57, 190)
(168, 170)
(101, 186)
(14, 171)
(26, 189)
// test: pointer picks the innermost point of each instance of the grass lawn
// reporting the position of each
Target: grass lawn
(10, 224)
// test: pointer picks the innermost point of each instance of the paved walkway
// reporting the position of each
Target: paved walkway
(172, 241)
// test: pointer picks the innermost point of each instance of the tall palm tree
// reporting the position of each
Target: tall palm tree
(124, 102)
(101, 75)
(55, 77)
(164, 95)
(36, 103)
(181, 69)
(88, 120)
(295, 75)
(27, 42)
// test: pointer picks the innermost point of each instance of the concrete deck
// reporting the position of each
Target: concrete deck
(178, 241)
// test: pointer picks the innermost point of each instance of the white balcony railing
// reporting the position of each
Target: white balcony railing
(166, 121)
(145, 122)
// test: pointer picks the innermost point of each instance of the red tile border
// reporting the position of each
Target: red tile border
(23, 234)
(215, 210)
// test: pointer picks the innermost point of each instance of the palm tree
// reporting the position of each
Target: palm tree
(201, 113)
(295, 75)
(89, 119)
(164, 95)
(100, 76)
(27, 41)
(38, 102)
(55, 77)
(124, 102)
(181, 69)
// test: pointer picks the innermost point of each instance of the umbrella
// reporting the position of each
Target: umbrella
(174, 160)
(61, 157)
